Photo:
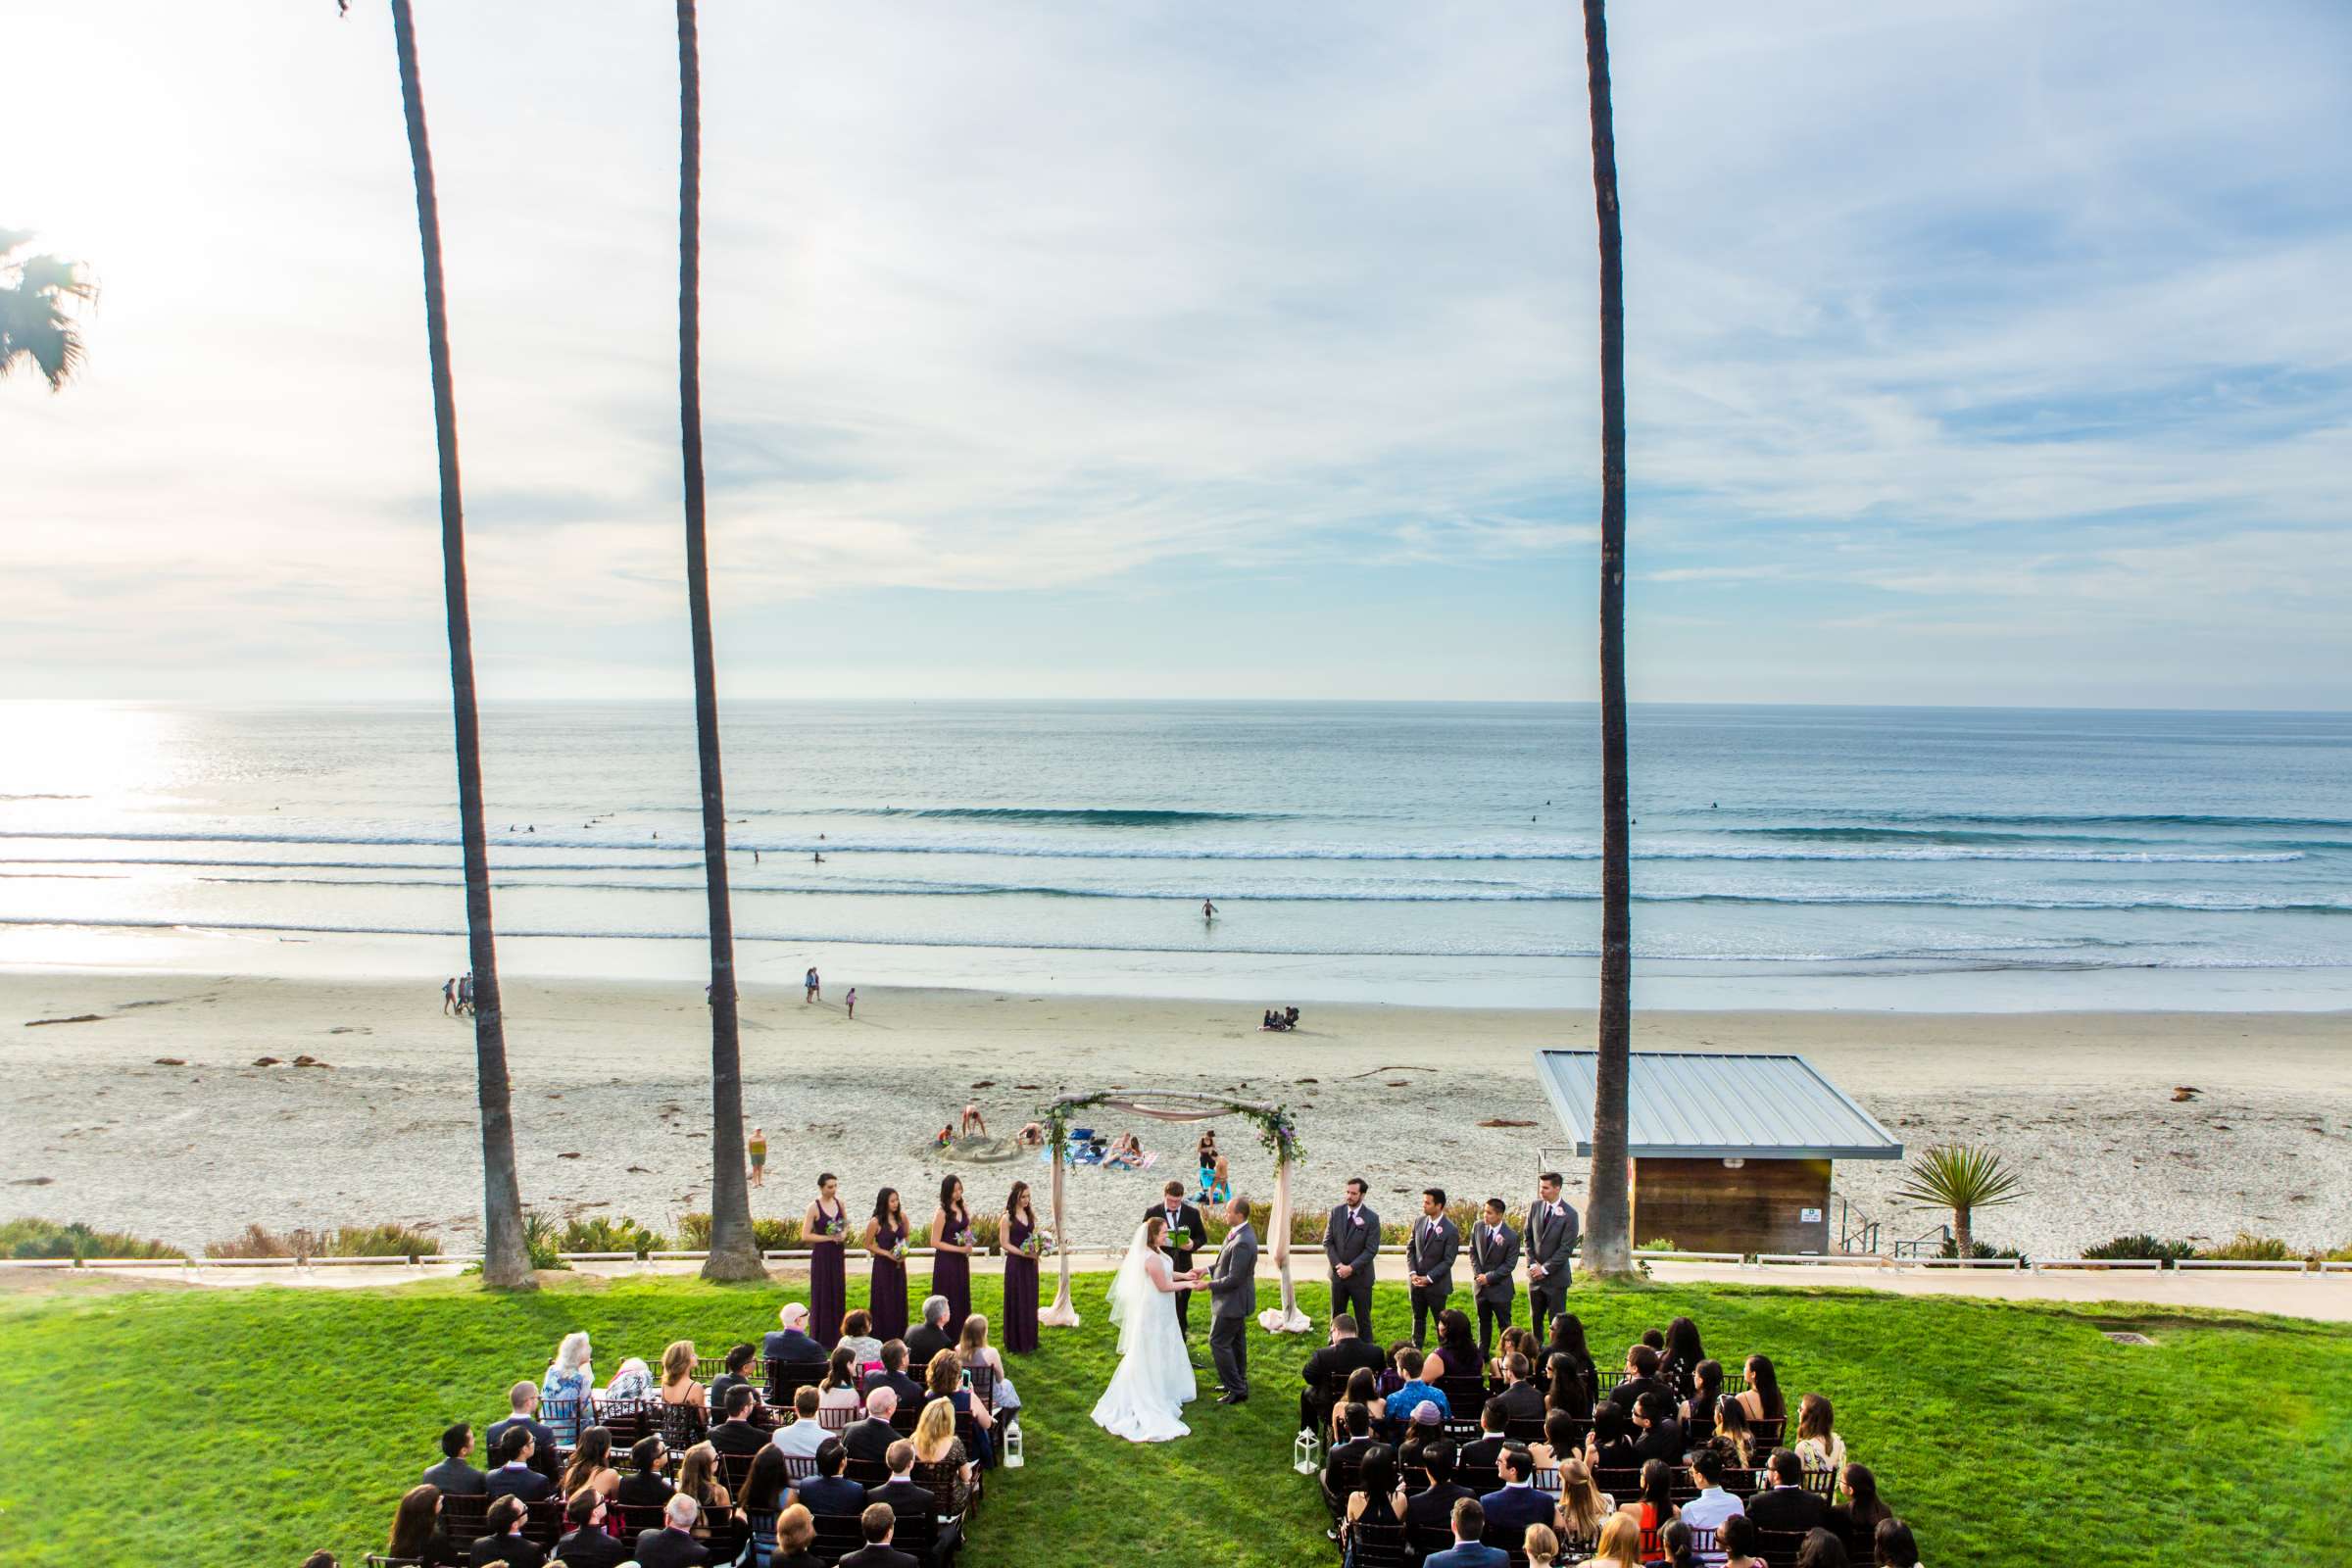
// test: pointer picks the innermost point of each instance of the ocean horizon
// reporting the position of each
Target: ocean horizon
(1936, 858)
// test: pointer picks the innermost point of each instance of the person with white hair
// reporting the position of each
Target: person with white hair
(673, 1544)
(563, 1391)
(634, 1381)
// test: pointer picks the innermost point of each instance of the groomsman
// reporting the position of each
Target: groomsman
(1184, 1233)
(1429, 1254)
(1351, 1241)
(1494, 1266)
(1552, 1231)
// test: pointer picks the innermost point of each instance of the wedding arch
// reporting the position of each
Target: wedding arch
(1275, 1129)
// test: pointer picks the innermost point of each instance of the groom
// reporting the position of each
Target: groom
(1186, 1232)
(1233, 1285)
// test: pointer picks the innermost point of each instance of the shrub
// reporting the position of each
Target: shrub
(694, 1233)
(2247, 1247)
(1662, 1245)
(774, 1234)
(601, 1234)
(348, 1241)
(542, 1241)
(989, 1229)
(2338, 1254)
(2141, 1247)
(1975, 1248)
(44, 1237)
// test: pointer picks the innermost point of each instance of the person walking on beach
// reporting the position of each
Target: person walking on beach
(465, 991)
(758, 1150)
(810, 985)
(449, 997)
(849, 1000)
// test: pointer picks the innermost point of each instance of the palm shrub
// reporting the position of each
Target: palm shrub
(694, 1232)
(542, 1241)
(2247, 1247)
(1962, 1178)
(45, 1237)
(2144, 1246)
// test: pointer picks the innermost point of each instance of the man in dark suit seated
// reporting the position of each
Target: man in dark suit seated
(673, 1544)
(505, 1543)
(1785, 1504)
(736, 1434)
(1520, 1399)
(1433, 1506)
(879, 1524)
(523, 1400)
(1347, 1351)
(791, 1344)
(515, 1476)
(909, 1500)
(1344, 1456)
(829, 1491)
(1659, 1436)
(1517, 1504)
(872, 1437)
(644, 1487)
(933, 1333)
(893, 1375)
(1640, 1377)
(586, 1542)
(1467, 1550)
(453, 1475)
(737, 1375)
(1484, 1452)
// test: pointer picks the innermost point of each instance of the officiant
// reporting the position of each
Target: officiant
(1186, 1232)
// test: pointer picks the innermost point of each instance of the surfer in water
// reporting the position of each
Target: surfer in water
(1208, 911)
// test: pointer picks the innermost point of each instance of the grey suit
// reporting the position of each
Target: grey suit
(1549, 1239)
(1496, 1256)
(1233, 1285)
(1429, 1250)
(1355, 1243)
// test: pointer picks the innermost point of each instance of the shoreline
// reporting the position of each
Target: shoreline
(611, 1094)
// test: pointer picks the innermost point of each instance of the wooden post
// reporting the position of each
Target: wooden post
(1062, 1314)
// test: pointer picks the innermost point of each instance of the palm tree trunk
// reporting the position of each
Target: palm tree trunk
(1608, 1247)
(505, 1261)
(734, 1253)
(1964, 1232)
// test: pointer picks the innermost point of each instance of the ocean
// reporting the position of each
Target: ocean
(1429, 853)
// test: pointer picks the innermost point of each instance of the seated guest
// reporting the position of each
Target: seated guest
(1610, 1446)
(765, 1485)
(1521, 1400)
(1364, 1387)
(522, 1400)
(871, 1437)
(736, 1434)
(1737, 1543)
(416, 1530)
(1571, 1389)
(634, 1381)
(1818, 1445)
(1467, 1550)
(1481, 1454)
(586, 1542)
(515, 1475)
(1582, 1507)
(678, 1386)
(1734, 1438)
(1426, 1427)
(802, 1436)
(505, 1543)
(738, 1374)
(1821, 1550)
(796, 1540)
(878, 1525)
(1861, 1511)
(839, 1389)
(1517, 1503)
(1893, 1545)
(945, 1380)
(1683, 1353)
(828, 1490)
(1761, 1398)
(1456, 1354)
(1640, 1377)
(905, 1497)
(1659, 1437)
(673, 1544)
(933, 1333)
(1713, 1505)
(1356, 1421)
(1541, 1546)
(1433, 1505)
(591, 1465)
(1680, 1545)
(697, 1478)
(1654, 1505)
(974, 1353)
(1706, 1392)
(1344, 1353)
(791, 1343)
(453, 1475)
(1379, 1490)
(1620, 1543)
(644, 1486)
(1400, 1403)
(893, 1374)
(857, 1335)
(1785, 1504)
(568, 1383)
(941, 1451)
(1559, 1442)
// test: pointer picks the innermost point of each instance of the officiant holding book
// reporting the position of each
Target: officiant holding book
(1186, 1232)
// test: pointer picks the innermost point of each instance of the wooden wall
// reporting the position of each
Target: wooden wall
(1703, 1206)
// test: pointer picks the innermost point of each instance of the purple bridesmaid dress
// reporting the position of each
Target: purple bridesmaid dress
(1020, 1290)
(828, 1281)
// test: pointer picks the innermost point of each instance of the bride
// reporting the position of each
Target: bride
(1146, 1400)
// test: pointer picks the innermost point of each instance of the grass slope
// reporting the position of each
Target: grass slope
(251, 1425)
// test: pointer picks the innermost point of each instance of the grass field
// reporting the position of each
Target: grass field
(252, 1426)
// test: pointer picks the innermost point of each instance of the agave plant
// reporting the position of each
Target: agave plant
(1963, 1179)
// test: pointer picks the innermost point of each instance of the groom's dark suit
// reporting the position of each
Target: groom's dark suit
(1184, 1232)
(1552, 1231)
(1233, 1287)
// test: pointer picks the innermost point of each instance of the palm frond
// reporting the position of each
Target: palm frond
(1959, 1177)
(56, 277)
(12, 238)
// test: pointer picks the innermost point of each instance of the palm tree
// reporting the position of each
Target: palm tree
(505, 1258)
(1962, 1179)
(1608, 1247)
(37, 297)
(734, 1253)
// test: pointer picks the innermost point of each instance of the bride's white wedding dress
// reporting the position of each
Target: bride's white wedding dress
(1146, 1400)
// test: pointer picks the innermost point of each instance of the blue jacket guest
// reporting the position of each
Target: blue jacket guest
(1469, 1522)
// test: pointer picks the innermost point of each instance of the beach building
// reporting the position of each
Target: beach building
(1730, 1152)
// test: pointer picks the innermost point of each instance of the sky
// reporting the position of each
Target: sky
(1977, 353)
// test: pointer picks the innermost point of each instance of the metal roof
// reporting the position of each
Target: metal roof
(1703, 1104)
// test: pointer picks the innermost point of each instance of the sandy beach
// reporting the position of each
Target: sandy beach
(611, 1100)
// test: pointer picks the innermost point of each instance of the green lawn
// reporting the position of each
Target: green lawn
(251, 1425)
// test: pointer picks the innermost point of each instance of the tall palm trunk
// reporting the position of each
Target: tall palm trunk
(505, 1261)
(734, 1253)
(1608, 1247)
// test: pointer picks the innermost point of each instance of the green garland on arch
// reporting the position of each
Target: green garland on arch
(1277, 1128)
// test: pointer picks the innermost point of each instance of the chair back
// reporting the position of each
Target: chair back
(543, 1522)
(1702, 1544)
(636, 1517)
(984, 1385)
(735, 1469)
(1523, 1429)
(1465, 1395)
(376, 1560)
(1779, 1548)
(836, 1417)
(1379, 1544)
(798, 1466)
(866, 1472)
(683, 1426)
(1821, 1483)
(465, 1519)
(787, 1378)
(1768, 1432)
(837, 1535)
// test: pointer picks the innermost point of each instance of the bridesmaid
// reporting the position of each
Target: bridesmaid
(1021, 1272)
(952, 1253)
(826, 1229)
(885, 1233)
